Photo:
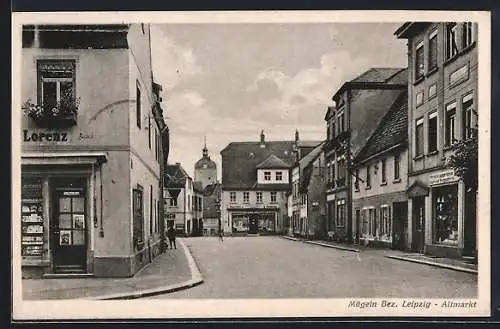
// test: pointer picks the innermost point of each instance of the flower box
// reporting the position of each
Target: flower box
(60, 115)
(61, 121)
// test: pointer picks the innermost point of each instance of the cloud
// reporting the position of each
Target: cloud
(303, 98)
(172, 63)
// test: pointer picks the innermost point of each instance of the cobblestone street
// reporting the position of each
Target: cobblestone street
(272, 267)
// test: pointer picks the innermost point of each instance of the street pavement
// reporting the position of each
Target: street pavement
(273, 267)
(168, 269)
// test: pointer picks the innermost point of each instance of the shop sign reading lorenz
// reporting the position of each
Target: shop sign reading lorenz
(443, 177)
(45, 136)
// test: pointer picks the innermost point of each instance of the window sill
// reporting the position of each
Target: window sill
(433, 153)
(418, 157)
(356, 189)
(448, 148)
(418, 80)
(368, 188)
(458, 54)
(396, 181)
(383, 183)
(431, 71)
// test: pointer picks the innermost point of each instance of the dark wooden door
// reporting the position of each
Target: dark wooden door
(399, 225)
(418, 216)
(68, 225)
(253, 225)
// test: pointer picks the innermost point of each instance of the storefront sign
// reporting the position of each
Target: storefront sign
(45, 136)
(442, 177)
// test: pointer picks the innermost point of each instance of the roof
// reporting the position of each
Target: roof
(271, 187)
(377, 74)
(409, 29)
(273, 162)
(379, 77)
(205, 163)
(211, 189)
(311, 156)
(240, 160)
(312, 144)
(392, 130)
(175, 176)
(305, 165)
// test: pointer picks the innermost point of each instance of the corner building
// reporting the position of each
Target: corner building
(442, 107)
(90, 179)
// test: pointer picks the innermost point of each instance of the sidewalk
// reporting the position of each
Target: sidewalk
(451, 264)
(171, 271)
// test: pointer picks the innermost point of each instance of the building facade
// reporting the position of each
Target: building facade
(92, 134)
(179, 198)
(379, 208)
(197, 202)
(255, 185)
(304, 185)
(360, 105)
(442, 98)
(211, 208)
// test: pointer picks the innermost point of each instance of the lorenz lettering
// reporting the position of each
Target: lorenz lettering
(45, 136)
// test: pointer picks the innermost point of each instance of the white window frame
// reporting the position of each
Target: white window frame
(274, 197)
(267, 175)
(450, 107)
(259, 197)
(232, 197)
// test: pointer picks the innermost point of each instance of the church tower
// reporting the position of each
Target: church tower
(205, 169)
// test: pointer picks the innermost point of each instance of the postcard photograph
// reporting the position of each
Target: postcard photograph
(251, 164)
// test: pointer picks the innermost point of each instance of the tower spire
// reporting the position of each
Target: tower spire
(205, 150)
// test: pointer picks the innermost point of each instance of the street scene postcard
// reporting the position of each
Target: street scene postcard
(173, 165)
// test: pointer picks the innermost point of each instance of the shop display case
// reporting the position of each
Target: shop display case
(32, 227)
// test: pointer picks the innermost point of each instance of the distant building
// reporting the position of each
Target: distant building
(91, 150)
(442, 109)
(211, 214)
(308, 195)
(197, 202)
(179, 199)
(360, 105)
(255, 184)
(205, 169)
(379, 207)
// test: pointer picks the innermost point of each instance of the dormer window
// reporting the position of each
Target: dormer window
(279, 175)
(267, 175)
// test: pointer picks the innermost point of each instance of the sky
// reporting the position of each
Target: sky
(230, 81)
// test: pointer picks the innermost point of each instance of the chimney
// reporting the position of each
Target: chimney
(296, 135)
(262, 139)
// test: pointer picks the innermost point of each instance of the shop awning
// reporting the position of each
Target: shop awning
(63, 158)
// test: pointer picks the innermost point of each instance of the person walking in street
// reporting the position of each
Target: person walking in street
(221, 235)
(171, 237)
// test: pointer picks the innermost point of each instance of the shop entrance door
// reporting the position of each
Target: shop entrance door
(68, 225)
(418, 217)
(400, 220)
(253, 225)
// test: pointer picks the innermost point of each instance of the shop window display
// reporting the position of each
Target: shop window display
(240, 223)
(31, 218)
(446, 216)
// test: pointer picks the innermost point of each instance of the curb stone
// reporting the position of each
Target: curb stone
(331, 246)
(450, 267)
(196, 279)
(321, 244)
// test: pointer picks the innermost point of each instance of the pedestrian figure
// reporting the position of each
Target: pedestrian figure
(171, 237)
(221, 235)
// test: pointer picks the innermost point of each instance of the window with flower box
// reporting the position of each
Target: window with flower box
(56, 98)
